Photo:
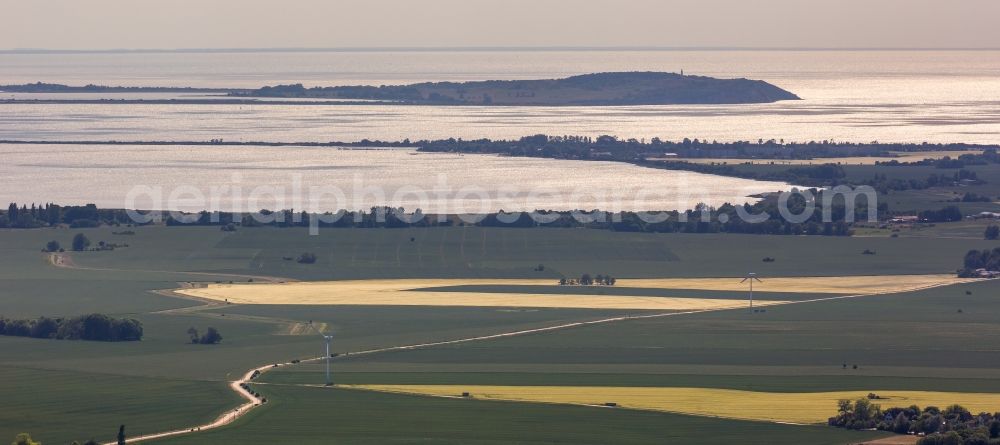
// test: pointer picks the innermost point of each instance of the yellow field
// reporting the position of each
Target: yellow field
(801, 408)
(848, 160)
(403, 292)
(854, 285)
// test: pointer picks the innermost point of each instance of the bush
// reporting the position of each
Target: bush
(24, 439)
(211, 337)
(307, 258)
(950, 438)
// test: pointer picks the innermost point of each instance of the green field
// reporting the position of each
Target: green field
(919, 334)
(473, 252)
(908, 341)
(62, 406)
(315, 415)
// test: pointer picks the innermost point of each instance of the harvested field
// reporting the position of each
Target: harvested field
(853, 285)
(797, 408)
(406, 292)
(403, 293)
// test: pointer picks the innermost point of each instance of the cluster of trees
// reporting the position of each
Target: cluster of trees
(93, 327)
(883, 183)
(992, 232)
(989, 156)
(947, 214)
(587, 280)
(980, 259)
(47, 215)
(973, 197)
(210, 337)
(953, 425)
(80, 243)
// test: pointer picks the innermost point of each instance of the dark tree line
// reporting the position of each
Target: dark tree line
(25, 217)
(703, 219)
(93, 327)
(603, 147)
(947, 214)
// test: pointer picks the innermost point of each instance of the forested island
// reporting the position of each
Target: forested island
(629, 88)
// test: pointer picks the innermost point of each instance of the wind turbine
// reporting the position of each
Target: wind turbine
(751, 277)
(327, 338)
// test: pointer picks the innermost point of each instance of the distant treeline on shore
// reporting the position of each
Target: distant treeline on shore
(704, 219)
(613, 148)
(607, 147)
(42, 87)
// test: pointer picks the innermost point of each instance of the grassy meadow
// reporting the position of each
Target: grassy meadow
(71, 390)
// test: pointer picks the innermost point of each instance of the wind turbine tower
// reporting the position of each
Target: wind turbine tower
(751, 277)
(328, 338)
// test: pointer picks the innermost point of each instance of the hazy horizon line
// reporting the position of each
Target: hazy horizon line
(475, 49)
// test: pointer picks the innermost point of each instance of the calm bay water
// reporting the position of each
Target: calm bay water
(327, 179)
(910, 96)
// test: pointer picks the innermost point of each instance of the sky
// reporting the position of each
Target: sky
(176, 24)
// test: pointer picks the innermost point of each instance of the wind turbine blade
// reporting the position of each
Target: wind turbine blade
(744, 280)
(758, 279)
